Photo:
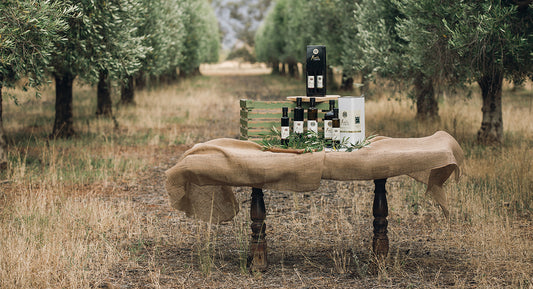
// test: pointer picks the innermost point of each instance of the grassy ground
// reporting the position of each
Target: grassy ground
(92, 212)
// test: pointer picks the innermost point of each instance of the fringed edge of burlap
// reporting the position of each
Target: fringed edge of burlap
(435, 182)
(222, 204)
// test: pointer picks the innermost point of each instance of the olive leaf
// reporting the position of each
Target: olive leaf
(309, 142)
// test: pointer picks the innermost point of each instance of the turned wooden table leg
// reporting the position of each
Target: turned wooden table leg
(380, 210)
(258, 245)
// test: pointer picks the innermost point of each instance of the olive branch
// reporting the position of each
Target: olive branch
(309, 142)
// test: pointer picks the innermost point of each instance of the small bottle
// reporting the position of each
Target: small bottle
(328, 126)
(298, 117)
(285, 131)
(336, 137)
(312, 116)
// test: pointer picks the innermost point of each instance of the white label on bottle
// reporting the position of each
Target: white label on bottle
(350, 121)
(312, 125)
(320, 81)
(336, 134)
(328, 129)
(310, 81)
(285, 132)
(298, 126)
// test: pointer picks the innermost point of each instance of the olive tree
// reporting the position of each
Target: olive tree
(28, 31)
(178, 35)
(482, 41)
(89, 48)
(202, 39)
(387, 45)
(292, 25)
(494, 40)
(332, 25)
(115, 24)
(161, 27)
(269, 39)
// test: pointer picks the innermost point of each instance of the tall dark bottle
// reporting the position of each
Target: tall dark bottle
(328, 126)
(312, 116)
(336, 137)
(285, 130)
(298, 117)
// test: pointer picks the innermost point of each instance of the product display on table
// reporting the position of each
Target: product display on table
(200, 183)
(272, 156)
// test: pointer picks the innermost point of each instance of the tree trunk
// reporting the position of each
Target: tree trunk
(283, 71)
(196, 71)
(103, 96)
(347, 82)
(427, 107)
(275, 67)
(293, 68)
(140, 80)
(193, 72)
(127, 92)
(171, 76)
(365, 82)
(3, 139)
(491, 130)
(330, 77)
(63, 123)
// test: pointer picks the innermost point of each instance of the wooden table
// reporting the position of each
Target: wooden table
(258, 259)
(200, 183)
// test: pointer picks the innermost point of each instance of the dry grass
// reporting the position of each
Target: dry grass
(92, 212)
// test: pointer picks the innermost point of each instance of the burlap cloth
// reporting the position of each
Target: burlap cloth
(200, 184)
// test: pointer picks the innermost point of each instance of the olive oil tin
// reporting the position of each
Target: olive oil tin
(352, 118)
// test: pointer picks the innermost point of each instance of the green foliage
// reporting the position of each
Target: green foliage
(202, 38)
(121, 36)
(100, 38)
(310, 142)
(292, 25)
(121, 49)
(492, 37)
(268, 45)
(163, 32)
(373, 46)
(242, 53)
(28, 32)
(405, 40)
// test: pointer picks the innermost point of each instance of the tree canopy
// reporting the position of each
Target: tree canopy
(424, 45)
(97, 41)
(28, 31)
